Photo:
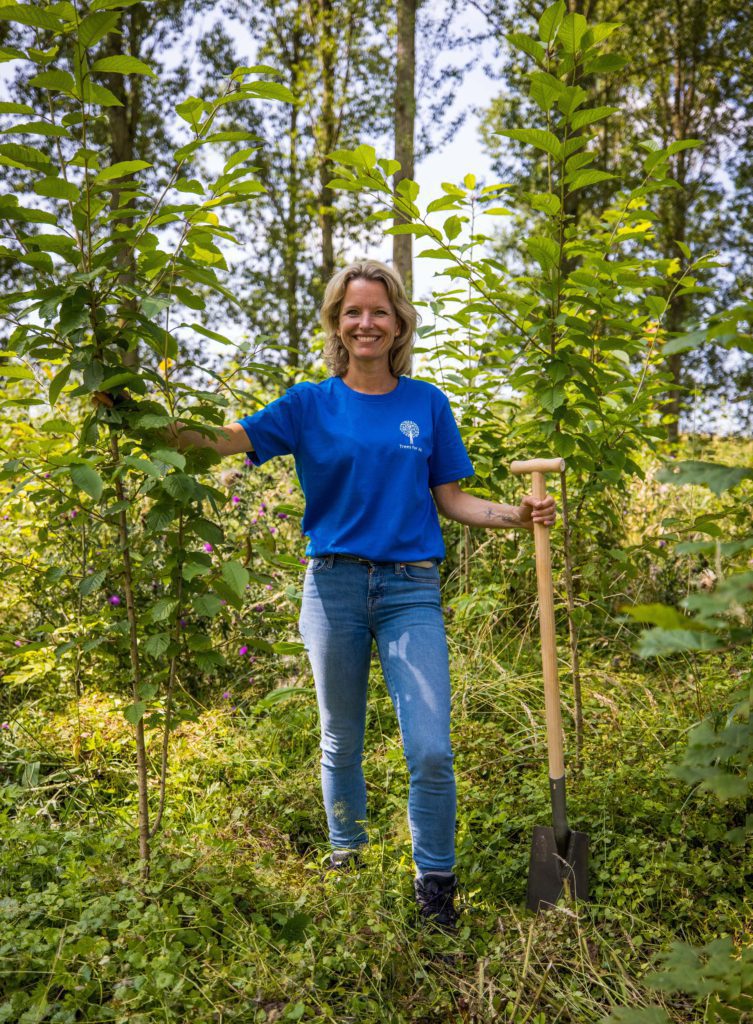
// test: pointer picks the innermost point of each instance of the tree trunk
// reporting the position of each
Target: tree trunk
(405, 122)
(328, 45)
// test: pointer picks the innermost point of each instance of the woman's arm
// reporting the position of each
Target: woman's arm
(231, 439)
(453, 502)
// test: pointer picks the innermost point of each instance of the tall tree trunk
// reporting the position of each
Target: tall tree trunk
(292, 241)
(405, 125)
(124, 126)
(328, 45)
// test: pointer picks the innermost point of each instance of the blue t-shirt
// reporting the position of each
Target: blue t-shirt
(366, 464)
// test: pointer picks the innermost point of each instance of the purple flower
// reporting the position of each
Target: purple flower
(269, 586)
(282, 515)
(235, 499)
(208, 547)
(263, 507)
(182, 623)
(73, 513)
(226, 695)
(243, 650)
(47, 476)
(258, 607)
(248, 462)
(251, 680)
(303, 561)
(114, 600)
(290, 490)
(4, 726)
(255, 519)
(19, 643)
(252, 658)
(272, 529)
(223, 601)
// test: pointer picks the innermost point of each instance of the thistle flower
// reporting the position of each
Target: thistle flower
(114, 600)
(208, 547)
(243, 650)
(235, 499)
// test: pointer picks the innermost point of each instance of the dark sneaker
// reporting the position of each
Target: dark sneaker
(342, 861)
(435, 896)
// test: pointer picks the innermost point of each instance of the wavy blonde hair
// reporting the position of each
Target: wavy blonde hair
(335, 353)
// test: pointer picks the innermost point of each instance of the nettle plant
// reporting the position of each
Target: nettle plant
(571, 337)
(108, 267)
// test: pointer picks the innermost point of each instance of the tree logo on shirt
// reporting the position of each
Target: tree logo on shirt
(410, 429)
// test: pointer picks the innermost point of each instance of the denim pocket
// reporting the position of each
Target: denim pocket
(320, 563)
(422, 574)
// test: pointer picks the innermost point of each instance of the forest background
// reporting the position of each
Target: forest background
(180, 180)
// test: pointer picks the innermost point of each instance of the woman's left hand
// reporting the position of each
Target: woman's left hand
(532, 511)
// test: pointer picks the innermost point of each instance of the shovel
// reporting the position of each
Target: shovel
(559, 856)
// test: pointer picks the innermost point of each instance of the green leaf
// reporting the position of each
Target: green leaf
(95, 26)
(207, 530)
(528, 45)
(581, 179)
(16, 372)
(28, 14)
(662, 615)
(57, 383)
(122, 65)
(551, 397)
(685, 342)
(581, 118)
(605, 63)
(282, 693)
(235, 576)
(550, 20)
(717, 477)
(121, 169)
(88, 480)
(538, 137)
(545, 251)
(270, 91)
(14, 155)
(207, 604)
(156, 644)
(56, 188)
(571, 31)
(288, 647)
(91, 583)
(545, 89)
(170, 457)
(180, 486)
(56, 81)
(660, 642)
(163, 609)
(16, 108)
(135, 712)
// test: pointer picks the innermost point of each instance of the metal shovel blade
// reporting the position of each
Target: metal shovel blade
(550, 875)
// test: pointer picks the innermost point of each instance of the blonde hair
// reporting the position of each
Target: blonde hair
(335, 353)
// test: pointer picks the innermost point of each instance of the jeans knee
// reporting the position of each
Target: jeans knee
(341, 752)
(432, 764)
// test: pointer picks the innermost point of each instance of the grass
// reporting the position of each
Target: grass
(239, 922)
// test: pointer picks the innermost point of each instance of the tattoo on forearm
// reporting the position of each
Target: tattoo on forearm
(492, 513)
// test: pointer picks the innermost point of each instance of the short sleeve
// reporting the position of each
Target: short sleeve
(274, 430)
(449, 460)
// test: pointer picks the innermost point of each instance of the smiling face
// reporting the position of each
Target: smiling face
(368, 324)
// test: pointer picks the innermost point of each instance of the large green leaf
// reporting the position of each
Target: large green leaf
(95, 26)
(87, 479)
(123, 64)
(235, 576)
(581, 118)
(574, 26)
(551, 20)
(14, 155)
(662, 615)
(91, 583)
(56, 188)
(135, 712)
(717, 477)
(528, 45)
(270, 91)
(28, 14)
(55, 80)
(660, 642)
(540, 138)
(121, 169)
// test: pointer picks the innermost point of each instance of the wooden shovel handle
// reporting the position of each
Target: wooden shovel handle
(537, 468)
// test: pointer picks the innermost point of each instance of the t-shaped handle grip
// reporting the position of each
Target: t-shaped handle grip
(538, 466)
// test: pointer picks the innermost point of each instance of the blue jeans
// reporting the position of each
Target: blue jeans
(347, 603)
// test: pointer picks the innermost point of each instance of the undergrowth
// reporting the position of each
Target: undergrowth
(239, 921)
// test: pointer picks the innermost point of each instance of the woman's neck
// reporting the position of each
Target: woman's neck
(377, 380)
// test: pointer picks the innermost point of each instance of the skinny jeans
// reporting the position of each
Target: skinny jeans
(347, 604)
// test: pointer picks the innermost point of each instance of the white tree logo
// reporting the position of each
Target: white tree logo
(410, 429)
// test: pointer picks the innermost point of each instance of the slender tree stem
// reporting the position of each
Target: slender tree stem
(141, 769)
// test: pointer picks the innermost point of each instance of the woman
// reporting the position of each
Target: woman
(377, 453)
